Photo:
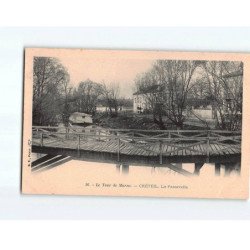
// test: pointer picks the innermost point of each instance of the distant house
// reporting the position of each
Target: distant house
(140, 102)
(200, 108)
(101, 108)
(80, 118)
(204, 113)
(140, 98)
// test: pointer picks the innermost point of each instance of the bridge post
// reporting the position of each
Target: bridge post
(160, 148)
(118, 167)
(78, 144)
(125, 168)
(67, 133)
(118, 150)
(41, 139)
(228, 169)
(208, 145)
(133, 137)
(232, 167)
(99, 133)
(217, 167)
(197, 167)
(84, 137)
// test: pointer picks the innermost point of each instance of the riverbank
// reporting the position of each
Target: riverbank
(125, 121)
(135, 121)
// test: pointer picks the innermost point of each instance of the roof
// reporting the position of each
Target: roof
(198, 101)
(81, 114)
(149, 89)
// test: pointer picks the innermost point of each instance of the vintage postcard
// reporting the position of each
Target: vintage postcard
(136, 123)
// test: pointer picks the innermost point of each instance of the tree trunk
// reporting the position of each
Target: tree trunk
(159, 122)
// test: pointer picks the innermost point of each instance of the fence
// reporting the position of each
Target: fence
(151, 142)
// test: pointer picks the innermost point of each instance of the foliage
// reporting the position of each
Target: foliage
(110, 97)
(171, 87)
(173, 79)
(86, 95)
(50, 84)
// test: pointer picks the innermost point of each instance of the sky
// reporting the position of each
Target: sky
(106, 68)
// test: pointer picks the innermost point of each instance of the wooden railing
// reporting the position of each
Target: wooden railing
(178, 139)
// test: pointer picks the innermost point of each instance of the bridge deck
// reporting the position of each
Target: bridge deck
(143, 149)
(136, 147)
(145, 146)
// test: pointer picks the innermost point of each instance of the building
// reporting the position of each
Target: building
(140, 102)
(141, 98)
(101, 108)
(80, 118)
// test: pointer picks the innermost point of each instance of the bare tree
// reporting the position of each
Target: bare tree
(199, 89)
(111, 97)
(174, 80)
(149, 86)
(67, 96)
(176, 76)
(225, 86)
(49, 76)
(86, 96)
